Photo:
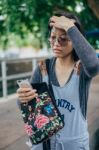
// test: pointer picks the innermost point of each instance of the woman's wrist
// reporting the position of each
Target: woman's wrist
(66, 28)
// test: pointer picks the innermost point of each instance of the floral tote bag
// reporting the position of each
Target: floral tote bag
(41, 117)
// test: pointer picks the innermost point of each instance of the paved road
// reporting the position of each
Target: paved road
(12, 135)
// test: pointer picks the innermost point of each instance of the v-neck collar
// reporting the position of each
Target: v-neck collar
(70, 76)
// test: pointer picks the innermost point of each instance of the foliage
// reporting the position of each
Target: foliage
(23, 18)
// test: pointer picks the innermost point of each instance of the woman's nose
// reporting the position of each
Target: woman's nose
(56, 42)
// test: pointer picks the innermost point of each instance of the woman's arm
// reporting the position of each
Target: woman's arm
(85, 52)
(26, 94)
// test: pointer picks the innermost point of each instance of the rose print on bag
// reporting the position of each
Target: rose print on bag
(28, 129)
(40, 121)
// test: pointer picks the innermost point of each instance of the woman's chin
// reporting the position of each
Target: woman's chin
(57, 55)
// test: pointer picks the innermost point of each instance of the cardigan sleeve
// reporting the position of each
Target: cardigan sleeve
(85, 52)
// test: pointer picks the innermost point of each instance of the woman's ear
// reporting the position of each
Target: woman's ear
(78, 67)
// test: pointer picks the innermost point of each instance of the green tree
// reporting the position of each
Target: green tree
(23, 17)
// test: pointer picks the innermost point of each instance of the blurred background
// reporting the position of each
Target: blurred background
(24, 23)
(24, 41)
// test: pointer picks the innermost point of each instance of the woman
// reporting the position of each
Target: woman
(70, 88)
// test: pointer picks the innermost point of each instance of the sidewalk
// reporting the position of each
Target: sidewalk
(12, 135)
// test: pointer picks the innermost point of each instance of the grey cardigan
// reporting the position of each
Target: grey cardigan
(89, 67)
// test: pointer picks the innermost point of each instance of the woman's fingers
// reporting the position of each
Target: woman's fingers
(29, 98)
(53, 18)
(26, 94)
(20, 90)
(52, 24)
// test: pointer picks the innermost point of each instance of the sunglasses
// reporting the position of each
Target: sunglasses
(62, 40)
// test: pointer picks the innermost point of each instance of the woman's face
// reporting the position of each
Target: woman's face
(60, 43)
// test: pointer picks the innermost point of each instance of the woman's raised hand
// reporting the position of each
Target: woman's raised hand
(62, 22)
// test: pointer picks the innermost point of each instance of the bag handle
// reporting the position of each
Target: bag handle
(44, 67)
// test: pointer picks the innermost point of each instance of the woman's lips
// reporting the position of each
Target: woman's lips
(56, 50)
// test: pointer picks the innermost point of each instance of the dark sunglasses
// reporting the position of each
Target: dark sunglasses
(63, 40)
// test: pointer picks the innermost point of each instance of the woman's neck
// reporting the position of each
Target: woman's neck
(65, 62)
